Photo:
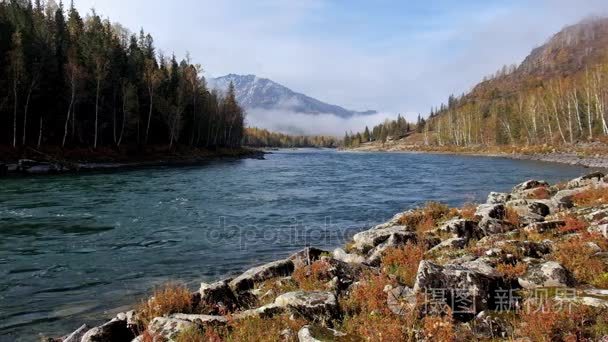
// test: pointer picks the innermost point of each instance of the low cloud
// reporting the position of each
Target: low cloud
(293, 123)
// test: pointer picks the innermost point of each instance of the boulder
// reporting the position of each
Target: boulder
(462, 228)
(247, 280)
(115, 330)
(528, 249)
(365, 241)
(453, 243)
(266, 311)
(548, 274)
(202, 320)
(310, 334)
(344, 274)
(314, 305)
(498, 198)
(467, 291)
(77, 335)
(483, 266)
(491, 211)
(392, 222)
(218, 297)
(169, 328)
(529, 185)
(307, 256)
(340, 254)
(592, 179)
(491, 226)
(563, 198)
(541, 227)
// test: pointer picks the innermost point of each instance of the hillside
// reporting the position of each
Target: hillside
(254, 92)
(557, 96)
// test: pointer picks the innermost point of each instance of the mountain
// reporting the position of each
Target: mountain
(254, 92)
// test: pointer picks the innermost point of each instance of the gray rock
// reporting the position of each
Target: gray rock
(307, 256)
(202, 320)
(548, 274)
(491, 226)
(541, 227)
(114, 330)
(592, 179)
(528, 249)
(563, 198)
(365, 241)
(340, 254)
(529, 185)
(77, 335)
(313, 305)
(478, 287)
(218, 297)
(169, 328)
(498, 198)
(249, 278)
(266, 311)
(491, 211)
(453, 243)
(586, 301)
(392, 222)
(307, 334)
(462, 228)
(483, 266)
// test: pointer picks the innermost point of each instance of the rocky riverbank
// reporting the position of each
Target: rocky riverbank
(49, 164)
(530, 265)
(592, 155)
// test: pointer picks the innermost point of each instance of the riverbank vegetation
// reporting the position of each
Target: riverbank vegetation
(257, 137)
(557, 97)
(72, 83)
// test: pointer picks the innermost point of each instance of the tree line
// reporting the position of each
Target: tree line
(388, 130)
(70, 81)
(257, 137)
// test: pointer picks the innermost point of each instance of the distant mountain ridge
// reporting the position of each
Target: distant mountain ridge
(254, 92)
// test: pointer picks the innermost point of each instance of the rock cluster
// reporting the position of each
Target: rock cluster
(464, 253)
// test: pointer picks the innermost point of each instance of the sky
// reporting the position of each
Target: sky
(393, 56)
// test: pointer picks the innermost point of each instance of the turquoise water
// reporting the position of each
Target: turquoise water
(75, 249)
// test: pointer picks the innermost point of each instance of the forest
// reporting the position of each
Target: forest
(75, 82)
(256, 137)
(557, 96)
(387, 131)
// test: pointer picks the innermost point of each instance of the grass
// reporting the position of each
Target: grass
(403, 262)
(313, 277)
(168, 299)
(273, 288)
(541, 193)
(428, 217)
(512, 271)
(264, 330)
(573, 225)
(578, 257)
(438, 329)
(512, 217)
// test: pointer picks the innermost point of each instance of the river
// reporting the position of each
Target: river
(75, 248)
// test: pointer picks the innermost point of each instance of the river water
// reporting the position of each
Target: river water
(77, 248)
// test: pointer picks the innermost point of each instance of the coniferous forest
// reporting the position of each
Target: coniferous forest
(74, 81)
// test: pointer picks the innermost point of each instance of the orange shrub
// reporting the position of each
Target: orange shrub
(313, 277)
(592, 196)
(468, 211)
(559, 322)
(510, 271)
(573, 225)
(576, 255)
(426, 218)
(438, 329)
(368, 296)
(191, 335)
(264, 330)
(403, 262)
(169, 299)
(540, 194)
(377, 328)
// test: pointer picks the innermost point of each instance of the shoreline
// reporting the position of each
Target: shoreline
(48, 164)
(568, 158)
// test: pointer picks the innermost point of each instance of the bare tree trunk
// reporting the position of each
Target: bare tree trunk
(27, 105)
(96, 112)
(67, 119)
(40, 133)
(16, 96)
(151, 93)
(124, 119)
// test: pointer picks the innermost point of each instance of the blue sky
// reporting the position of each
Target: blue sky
(392, 56)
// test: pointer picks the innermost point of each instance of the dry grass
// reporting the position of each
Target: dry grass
(378, 328)
(313, 277)
(512, 217)
(428, 217)
(403, 262)
(576, 255)
(573, 225)
(368, 296)
(468, 211)
(510, 271)
(440, 329)
(541, 193)
(592, 196)
(273, 288)
(264, 330)
(169, 299)
(193, 334)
